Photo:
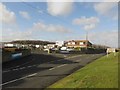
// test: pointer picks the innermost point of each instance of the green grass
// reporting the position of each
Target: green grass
(102, 73)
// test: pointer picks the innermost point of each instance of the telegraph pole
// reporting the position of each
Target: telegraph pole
(86, 35)
(86, 38)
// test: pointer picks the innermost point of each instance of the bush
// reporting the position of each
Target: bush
(77, 49)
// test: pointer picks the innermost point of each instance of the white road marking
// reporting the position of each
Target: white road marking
(57, 66)
(62, 65)
(32, 74)
(35, 65)
(18, 79)
(51, 68)
(25, 63)
(19, 65)
(15, 69)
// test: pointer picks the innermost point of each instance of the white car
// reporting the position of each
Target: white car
(46, 49)
(70, 49)
(63, 48)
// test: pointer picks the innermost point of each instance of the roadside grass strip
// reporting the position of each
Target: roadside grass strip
(102, 73)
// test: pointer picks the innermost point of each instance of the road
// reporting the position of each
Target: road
(40, 71)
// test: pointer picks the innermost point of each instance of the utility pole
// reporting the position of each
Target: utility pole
(86, 35)
(86, 38)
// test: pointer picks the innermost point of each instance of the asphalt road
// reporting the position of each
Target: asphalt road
(40, 70)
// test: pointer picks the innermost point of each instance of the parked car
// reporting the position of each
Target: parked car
(63, 48)
(66, 48)
(70, 49)
(46, 49)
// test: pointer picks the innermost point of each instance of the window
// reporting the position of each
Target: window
(73, 43)
(81, 43)
(69, 43)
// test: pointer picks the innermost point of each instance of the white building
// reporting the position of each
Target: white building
(12, 45)
(51, 45)
(109, 50)
(37, 46)
(9, 45)
(60, 43)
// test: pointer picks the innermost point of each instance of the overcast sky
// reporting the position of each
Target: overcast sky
(56, 21)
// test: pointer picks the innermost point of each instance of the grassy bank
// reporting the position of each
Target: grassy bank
(102, 73)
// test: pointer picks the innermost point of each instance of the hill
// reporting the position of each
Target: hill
(34, 42)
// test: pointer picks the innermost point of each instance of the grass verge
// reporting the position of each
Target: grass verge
(102, 73)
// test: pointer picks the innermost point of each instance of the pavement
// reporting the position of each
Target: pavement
(42, 70)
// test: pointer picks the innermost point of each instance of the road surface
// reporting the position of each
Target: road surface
(40, 71)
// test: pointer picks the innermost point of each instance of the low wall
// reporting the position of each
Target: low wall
(93, 50)
(11, 55)
(88, 51)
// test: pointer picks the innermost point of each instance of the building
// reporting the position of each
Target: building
(60, 43)
(37, 46)
(79, 43)
(9, 45)
(50, 46)
(110, 50)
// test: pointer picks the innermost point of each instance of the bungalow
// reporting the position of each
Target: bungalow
(79, 43)
(50, 46)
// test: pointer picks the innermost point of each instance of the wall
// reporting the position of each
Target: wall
(8, 55)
